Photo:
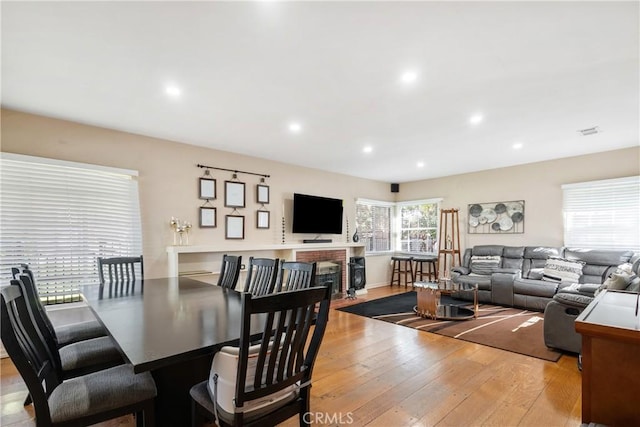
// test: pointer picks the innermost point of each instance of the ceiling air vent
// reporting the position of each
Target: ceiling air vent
(590, 131)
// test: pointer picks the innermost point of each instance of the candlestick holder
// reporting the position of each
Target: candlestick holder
(348, 237)
(283, 230)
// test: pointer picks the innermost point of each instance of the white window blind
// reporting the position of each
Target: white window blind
(58, 217)
(373, 220)
(603, 214)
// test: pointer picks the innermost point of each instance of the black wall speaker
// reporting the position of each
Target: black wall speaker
(395, 188)
(357, 273)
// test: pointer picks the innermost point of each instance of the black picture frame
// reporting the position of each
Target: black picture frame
(234, 194)
(263, 219)
(208, 217)
(234, 227)
(207, 188)
(262, 194)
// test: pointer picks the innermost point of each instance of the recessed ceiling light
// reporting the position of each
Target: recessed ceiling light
(367, 149)
(420, 164)
(295, 127)
(409, 77)
(475, 119)
(173, 90)
(517, 145)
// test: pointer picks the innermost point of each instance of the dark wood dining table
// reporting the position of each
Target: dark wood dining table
(170, 327)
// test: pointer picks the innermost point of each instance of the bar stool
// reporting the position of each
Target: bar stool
(401, 268)
(432, 268)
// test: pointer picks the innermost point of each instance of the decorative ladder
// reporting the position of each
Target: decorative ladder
(449, 242)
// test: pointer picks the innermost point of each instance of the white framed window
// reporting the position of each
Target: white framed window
(418, 226)
(59, 217)
(374, 221)
(602, 214)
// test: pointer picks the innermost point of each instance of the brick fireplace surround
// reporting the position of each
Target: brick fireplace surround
(339, 256)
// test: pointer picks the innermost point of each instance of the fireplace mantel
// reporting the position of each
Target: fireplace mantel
(286, 251)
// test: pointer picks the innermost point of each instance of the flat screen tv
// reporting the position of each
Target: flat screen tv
(317, 215)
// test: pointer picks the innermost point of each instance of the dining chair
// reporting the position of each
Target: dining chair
(229, 271)
(261, 276)
(295, 275)
(74, 359)
(121, 270)
(64, 334)
(80, 401)
(266, 383)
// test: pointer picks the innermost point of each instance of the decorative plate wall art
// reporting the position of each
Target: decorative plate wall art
(496, 217)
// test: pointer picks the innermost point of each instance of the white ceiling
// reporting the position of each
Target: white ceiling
(536, 71)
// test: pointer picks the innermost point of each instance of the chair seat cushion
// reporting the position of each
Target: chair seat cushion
(74, 332)
(96, 351)
(99, 392)
(225, 365)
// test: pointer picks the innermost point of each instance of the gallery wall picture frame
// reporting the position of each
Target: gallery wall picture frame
(208, 217)
(234, 227)
(234, 194)
(262, 193)
(262, 219)
(207, 188)
(496, 217)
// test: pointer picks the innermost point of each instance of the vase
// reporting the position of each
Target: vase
(356, 237)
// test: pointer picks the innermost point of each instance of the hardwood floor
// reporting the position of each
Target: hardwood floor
(372, 373)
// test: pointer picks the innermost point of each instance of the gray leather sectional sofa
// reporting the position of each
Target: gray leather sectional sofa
(516, 280)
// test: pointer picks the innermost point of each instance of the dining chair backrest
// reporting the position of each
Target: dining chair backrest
(39, 319)
(26, 350)
(261, 276)
(33, 297)
(293, 322)
(295, 275)
(120, 269)
(229, 271)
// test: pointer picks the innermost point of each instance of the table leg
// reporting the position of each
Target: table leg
(475, 301)
(173, 403)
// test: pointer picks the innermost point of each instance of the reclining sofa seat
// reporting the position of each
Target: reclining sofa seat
(529, 290)
(464, 275)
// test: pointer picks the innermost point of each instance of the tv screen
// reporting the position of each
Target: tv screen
(313, 214)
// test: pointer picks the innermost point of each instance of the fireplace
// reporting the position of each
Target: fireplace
(329, 274)
(330, 267)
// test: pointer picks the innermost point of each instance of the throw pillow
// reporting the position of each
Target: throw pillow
(484, 264)
(618, 281)
(561, 270)
(625, 268)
